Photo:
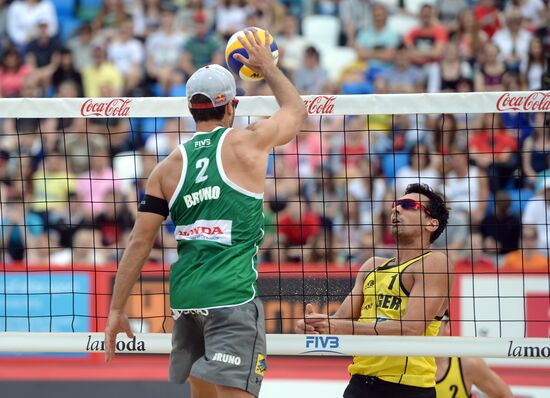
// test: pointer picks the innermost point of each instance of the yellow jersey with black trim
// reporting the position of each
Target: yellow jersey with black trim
(452, 384)
(384, 298)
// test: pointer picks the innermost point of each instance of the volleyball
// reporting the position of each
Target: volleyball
(234, 46)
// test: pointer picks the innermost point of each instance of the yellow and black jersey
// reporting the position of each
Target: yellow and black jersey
(384, 298)
(452, 384)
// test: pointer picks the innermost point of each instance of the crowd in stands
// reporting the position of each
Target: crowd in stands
(65, 194)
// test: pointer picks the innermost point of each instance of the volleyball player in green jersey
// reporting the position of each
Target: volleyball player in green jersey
(212, 188)
(404, 295)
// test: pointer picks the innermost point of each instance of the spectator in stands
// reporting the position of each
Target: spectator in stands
(487, 14)
(466, 186)
(81, 47)
(532, 12)
(366, 190)
(22, 20)
(537, 215)
(427, 41)
(543, 32)
(446, 75)
(201, 49)
(311, 77)
(43, 55)
(404, 77)
(535, 153)
(230, 17)
(21, 232)
(147, 21)
(513, 41)
(186, 15)
(127, 54)
(291, 44)
(377, 43)
(474, 258)
(94, 185)
(449, 11)
(102, 73)
(490, 73)
(163, 49)
(66, 72)
(494, 149)
(501, 228)
(419, 170)
(110, 15)
(52, 186)
(355, 15)
(528, 258)
(533, 69)
(298, 227)
(469, 35)
(12, 73)
(270, 13)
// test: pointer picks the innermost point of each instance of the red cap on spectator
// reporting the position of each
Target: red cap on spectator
(200, 17)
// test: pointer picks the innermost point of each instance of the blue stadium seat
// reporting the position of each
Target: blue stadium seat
(151, 125)
(65, 8)
(67, 27)
(519, 198)
(391, 162)
(178, 91)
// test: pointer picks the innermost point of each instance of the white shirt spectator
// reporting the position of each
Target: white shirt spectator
(531, 10)
(230, 19)
(165, 49)
(125, 54)
(507, 45)
(462, 193)
(370, 204)
(537, 214)
(23, 18)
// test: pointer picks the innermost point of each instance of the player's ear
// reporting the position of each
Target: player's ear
(433, 224)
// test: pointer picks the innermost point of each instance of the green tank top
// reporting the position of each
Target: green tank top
(218, 228)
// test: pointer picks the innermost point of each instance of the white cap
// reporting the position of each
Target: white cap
(214, 82)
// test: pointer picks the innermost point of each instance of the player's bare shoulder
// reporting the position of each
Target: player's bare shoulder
(168, 172)
(370, 265)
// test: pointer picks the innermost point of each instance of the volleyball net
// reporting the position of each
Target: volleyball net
(73, 170)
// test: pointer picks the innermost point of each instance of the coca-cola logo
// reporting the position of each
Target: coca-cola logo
(320, 105)
(536, 101)
(116, 107)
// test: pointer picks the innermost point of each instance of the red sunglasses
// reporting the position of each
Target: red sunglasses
(410, 204)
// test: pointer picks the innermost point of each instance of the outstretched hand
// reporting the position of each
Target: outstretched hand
(117, 323)
(259, 58)
(311, 319)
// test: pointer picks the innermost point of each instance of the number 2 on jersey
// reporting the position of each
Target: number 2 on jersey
(203, 165)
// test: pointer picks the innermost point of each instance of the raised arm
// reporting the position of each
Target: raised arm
(284, 124)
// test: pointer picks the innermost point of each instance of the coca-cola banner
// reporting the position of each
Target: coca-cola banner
(316, 105)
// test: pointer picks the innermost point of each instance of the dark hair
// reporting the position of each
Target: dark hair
(204, 115)
(436, 206)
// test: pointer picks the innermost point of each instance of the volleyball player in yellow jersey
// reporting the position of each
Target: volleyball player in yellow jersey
(404, 295)
(456, 376)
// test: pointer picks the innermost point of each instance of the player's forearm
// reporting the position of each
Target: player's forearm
(128, 271)
(387, 327)
(285, 93)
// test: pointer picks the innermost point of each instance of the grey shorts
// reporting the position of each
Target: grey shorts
(224, 346)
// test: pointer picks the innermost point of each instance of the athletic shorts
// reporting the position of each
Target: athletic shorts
(224, 346)
(372, 387)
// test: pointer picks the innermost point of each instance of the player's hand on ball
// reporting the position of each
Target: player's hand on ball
(260, 58)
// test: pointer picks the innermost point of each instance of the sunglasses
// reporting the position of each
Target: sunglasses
(410, 204)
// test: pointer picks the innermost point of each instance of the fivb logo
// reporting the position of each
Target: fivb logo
(322, 344)
(202, 143)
